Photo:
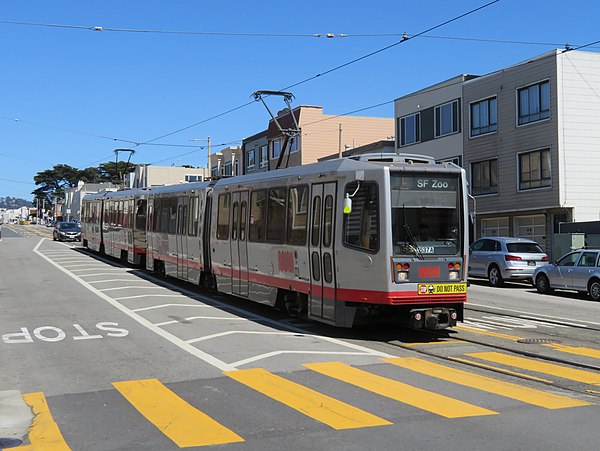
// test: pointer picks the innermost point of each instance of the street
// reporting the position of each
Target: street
(110, 357)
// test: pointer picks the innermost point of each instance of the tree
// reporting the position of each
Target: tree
(54, 181)
(113, 172)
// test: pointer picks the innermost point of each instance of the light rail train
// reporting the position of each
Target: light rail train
(343, 241)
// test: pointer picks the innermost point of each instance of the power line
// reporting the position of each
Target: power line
(16, 181)
(404, 39)
(195, 151)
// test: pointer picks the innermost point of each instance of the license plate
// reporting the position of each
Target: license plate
(442, 288)
(531, 263)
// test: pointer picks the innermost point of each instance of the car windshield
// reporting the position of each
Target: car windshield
(69, 226)
(524, 248)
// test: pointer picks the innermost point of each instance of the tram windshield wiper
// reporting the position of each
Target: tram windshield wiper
(411, 238)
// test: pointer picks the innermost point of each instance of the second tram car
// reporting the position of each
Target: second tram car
(341, 242)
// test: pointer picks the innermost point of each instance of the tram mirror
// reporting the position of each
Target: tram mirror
(347, 204)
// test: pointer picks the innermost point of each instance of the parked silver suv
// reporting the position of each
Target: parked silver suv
(505, 258)
(578, 270)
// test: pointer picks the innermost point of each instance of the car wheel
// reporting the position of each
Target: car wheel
(595, 289)
(53, 237)
(494, 276)
(543, 284)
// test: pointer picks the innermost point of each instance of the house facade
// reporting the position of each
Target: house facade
(147, 176)
(319, 135)
(532, 148)
(528, 136)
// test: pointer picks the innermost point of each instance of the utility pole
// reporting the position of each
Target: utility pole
(340, 142)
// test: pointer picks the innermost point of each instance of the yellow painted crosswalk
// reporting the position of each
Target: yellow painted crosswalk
(399, 391)
(191, 426)
(311, 403)
(506, 389)
(182, 423)
(552, 369)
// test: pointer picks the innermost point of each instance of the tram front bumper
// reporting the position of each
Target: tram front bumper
(433, 318)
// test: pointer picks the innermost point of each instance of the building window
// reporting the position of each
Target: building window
(457, 160)
(236, 167)
(484, 117)
(193, 178)
(409, 129)
(484, 176)
(214, 171)
(250, 159)
(446, 119)
(294, 143)
(275, 148)
(534, 169)
(227, 168)
(534, 102)
(264, 156)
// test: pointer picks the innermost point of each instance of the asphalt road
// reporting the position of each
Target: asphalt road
(119, 360)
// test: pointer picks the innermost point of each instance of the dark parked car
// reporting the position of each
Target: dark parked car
(578, 270)
(66, 231)
(505, 258)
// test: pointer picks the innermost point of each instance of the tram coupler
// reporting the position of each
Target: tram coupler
(433, 318)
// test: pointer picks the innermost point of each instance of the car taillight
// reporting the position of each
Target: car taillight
(545, 258)
(511, 258)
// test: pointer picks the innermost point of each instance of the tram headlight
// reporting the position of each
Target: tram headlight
(402, 275)
(453, 275)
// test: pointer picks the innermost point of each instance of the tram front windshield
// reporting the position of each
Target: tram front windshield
(426, 214)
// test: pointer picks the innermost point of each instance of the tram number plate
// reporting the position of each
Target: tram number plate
(442, 288)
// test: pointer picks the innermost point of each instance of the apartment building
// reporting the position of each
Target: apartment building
(319, 135)
(528, 136)
(147, 176)
(227, 162)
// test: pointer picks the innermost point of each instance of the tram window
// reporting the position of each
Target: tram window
(297, 215)
(258, 215)
(183, 219)
(361, 226)
(327, 268)
(223, 217)
(276, 215)
(235, 221)
(172, 215)
(243, 220)
(316, 267)
(140, 214)
(316, 221)
(193, 217)
(164, 215)
(328, 221)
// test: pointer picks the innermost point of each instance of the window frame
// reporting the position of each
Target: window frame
(272, 148)
(251, 156)
(543, 150)
(349, 188)
(518, 115)
(402, 129)
(455, 120)
(264, 156)
(472, 184)
(490, 124)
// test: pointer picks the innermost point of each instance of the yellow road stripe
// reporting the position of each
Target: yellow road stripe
(178, 420)
(586, 352)
(311, 403)
(429, 343)
(407, 394)
(502, 370)
(541, 367)
(489, 334)
(44, 432)
(506, 389)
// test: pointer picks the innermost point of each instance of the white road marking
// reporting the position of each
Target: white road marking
(138, 296)
(97, 274)
(211, 360)
(478, 325)
(191, 318)
(170, 305)
(133, 286)
(243, 332)
(108, 280)
(276, 353)
(535, 315)
(524, 323)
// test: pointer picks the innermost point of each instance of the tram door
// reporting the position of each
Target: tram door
(181, 237)
(322, 264)
(239, 246)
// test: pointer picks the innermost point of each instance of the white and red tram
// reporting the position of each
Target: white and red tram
(342, 241)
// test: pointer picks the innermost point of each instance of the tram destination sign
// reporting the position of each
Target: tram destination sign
(426, 182)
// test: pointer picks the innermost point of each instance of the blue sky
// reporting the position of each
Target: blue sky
(63, 89)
